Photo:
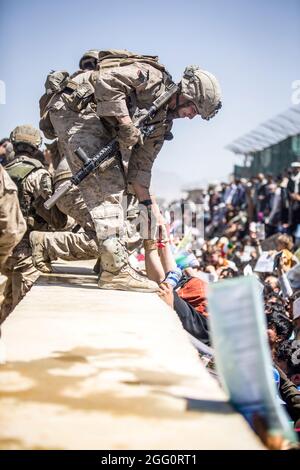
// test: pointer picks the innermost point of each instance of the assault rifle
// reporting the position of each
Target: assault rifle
(107, 154)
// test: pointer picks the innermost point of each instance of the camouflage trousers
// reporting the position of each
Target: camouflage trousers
(73, 205)
(67, 245)
(21, 275)
(70, 246)
(102, 191)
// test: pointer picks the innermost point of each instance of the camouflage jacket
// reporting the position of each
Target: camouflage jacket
(131, 90)
(12, 223)
(120, 91)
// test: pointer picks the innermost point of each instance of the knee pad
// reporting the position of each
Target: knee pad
(113, 255)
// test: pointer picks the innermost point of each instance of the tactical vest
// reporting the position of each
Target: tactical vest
(77, 91)
(54, 84)
(19, 169)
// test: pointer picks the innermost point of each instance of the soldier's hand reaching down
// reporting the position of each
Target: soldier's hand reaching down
(129, 135)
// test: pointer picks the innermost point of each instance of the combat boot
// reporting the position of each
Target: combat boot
(97, 268)
(126, 279)
(117, 273)
(40, 258)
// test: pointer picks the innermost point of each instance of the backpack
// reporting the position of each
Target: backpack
(122, 57)
(32, 207)
(55, 83)
(19, 169)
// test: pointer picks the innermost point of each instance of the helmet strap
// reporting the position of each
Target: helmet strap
(183, 105)
(179, 106)
(174, 112)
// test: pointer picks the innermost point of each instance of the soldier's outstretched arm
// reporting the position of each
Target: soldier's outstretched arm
(141, 162)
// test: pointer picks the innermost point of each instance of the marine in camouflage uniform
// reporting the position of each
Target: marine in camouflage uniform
(67, 245)
(12, 223)
(34, 187)
(12, 229)
(48, 246)
(72, 203)
(99, 105)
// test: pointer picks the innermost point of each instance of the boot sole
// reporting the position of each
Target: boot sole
(105, 287)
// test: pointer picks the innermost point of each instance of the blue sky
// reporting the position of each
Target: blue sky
(252, 47)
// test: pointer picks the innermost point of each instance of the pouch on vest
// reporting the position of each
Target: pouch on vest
(78, 96)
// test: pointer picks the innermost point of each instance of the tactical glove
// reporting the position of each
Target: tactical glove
(129, 135)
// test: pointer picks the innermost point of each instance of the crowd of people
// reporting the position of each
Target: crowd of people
(251, 227)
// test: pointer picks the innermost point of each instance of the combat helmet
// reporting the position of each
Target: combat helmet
(89, 60)
(203, 89)
(26, 134)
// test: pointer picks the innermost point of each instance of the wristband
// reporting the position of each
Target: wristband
(146, 202)
(161, 244)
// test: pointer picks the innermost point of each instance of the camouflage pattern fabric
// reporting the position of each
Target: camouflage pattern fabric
(21, 275)
(12, 223)
(69, 246)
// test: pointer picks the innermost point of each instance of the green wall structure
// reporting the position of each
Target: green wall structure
(272, 160)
